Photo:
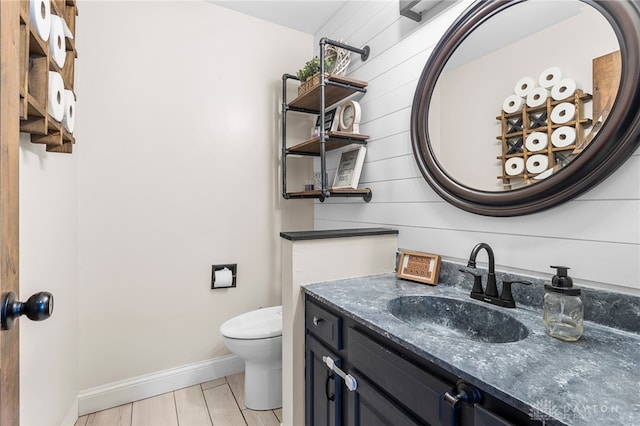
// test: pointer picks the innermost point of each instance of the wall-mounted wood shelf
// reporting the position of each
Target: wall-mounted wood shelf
(35, 64)
(364, 193)
(337, 88)
(335, 140)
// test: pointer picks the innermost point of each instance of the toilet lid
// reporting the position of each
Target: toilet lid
(259, 324)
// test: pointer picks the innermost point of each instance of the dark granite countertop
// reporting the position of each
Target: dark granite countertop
(593, 381)
(336, 233)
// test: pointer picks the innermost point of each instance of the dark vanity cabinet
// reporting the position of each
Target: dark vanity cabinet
(391, 390)
(324, 387)
(393, 386)
(323, 394)
(370, 406)
(407, 386)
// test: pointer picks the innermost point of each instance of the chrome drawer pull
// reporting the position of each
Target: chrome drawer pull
(349, 380)
(317, 320)
(463, 392)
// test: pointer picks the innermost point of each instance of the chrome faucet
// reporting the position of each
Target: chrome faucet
(490, 294)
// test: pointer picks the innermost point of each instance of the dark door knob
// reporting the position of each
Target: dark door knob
(37, 308)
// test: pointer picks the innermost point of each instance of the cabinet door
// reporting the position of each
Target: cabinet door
(412, 386)
(369, 407)
(323, 388)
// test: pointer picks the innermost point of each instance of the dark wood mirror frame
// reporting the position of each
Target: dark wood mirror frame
(615, 143)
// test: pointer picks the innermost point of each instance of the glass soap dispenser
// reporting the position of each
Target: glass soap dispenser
(563, 310)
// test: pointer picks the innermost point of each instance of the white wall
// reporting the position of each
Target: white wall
(348, 257)
(178, 146)
(597, 234)
(48, 262)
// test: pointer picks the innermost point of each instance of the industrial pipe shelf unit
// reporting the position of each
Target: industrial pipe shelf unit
(330, 90)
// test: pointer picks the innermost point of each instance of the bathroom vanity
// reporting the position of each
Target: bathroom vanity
(393, 386)
(400, 370)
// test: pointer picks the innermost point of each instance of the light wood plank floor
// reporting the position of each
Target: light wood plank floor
(218, 403)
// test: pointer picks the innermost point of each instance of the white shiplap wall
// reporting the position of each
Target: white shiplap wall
(597, 234)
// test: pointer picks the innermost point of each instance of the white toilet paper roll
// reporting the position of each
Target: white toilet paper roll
(563, 113)
(69, 118)
(524, 86)
(223, 278)
(545, 174)
(66, 29)
(563, 136)
(537, 163)
(40, 17)
(563, 89)
(55, 104)
(512, 103)
(549, 77)
(536, 141)
(57, 41)
(537, 97)
(514, 166)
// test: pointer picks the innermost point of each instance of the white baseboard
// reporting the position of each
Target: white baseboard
(141, 387)
(72, 415)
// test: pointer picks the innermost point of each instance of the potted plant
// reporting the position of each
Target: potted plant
(336, 61)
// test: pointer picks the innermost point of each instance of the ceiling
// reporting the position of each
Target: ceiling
(307, 16)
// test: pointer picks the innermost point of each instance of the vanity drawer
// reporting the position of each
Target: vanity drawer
(324, 325)
(410, 385)
(485, 417)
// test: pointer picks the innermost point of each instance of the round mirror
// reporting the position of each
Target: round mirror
(524, 105)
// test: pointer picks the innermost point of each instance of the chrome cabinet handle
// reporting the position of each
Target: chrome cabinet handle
(317, 320)
(463, 392)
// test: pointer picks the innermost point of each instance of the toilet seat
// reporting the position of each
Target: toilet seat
(259, 324)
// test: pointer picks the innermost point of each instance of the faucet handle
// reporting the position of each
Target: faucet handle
(477, 281)
(506, 290)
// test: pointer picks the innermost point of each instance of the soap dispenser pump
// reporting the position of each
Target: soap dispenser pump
(563, 310)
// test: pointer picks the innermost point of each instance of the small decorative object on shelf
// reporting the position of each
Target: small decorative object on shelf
(349, 168)
(329, 123)
(317, 179)
(420, 267)
(311, 68)
(350, 115)
(336, 61)
(309, 75)
(339, 58)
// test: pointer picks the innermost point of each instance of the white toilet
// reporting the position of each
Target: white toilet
(256, 337)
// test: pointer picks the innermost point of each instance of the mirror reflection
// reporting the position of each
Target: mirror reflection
(524, 94)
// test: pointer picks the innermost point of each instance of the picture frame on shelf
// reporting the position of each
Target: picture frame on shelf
(420, 267)
(330, 123)
(349, 168)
